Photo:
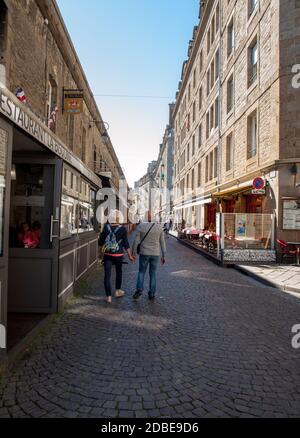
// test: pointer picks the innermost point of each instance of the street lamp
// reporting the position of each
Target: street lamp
(104, 127)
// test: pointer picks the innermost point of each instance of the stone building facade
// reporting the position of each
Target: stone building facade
(143, 195)
(37, 55)
(237, 115)
(52, 165)
(164, 173)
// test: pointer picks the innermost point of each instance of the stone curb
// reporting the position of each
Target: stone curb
(266, 282)
(198, 250)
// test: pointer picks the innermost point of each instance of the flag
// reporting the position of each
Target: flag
(52, 118)
(21, 94)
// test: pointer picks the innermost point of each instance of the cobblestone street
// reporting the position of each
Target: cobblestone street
(215, 344)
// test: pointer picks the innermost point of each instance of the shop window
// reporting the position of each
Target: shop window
(252, 135)
(77, 211)
(3, 149)
(69, 214)
(31, 206)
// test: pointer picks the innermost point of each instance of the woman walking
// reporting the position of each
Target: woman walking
(114, 243)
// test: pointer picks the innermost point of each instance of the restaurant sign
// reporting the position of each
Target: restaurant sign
(73, 101)
(30, 123)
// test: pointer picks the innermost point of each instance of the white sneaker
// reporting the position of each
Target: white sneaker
(109, 300)
(120, 293)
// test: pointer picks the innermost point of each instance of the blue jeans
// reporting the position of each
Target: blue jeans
(109, 262)
(146, 261)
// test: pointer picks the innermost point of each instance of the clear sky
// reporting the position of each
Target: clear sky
(132, 47)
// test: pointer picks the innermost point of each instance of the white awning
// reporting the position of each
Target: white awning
(194, 204)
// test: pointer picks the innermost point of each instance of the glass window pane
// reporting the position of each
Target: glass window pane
(69, 217)
(31, 206)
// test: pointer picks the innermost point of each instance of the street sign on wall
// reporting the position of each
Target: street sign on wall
(259, 184)
(258, 191)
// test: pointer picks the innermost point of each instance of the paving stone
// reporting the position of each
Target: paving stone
(215, 344)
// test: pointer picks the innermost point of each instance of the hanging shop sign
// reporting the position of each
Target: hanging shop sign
(73, 101)
(21, 116)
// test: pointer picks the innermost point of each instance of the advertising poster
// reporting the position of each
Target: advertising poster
(241, 221)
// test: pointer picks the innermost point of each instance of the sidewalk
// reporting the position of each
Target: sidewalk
(284, 277)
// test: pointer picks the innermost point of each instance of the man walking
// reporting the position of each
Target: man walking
(150, 245)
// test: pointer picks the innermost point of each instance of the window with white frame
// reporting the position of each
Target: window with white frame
(252, 135)
(253, 62)
(230, 94)
(230, 38)
(252, 4)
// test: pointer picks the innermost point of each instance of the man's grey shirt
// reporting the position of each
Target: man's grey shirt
(154, 244)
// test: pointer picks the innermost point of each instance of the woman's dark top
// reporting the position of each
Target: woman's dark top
(121, 236)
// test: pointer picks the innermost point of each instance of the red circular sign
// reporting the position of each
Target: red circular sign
(259, 183)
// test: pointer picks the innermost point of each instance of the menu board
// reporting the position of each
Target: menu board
(291, 214)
